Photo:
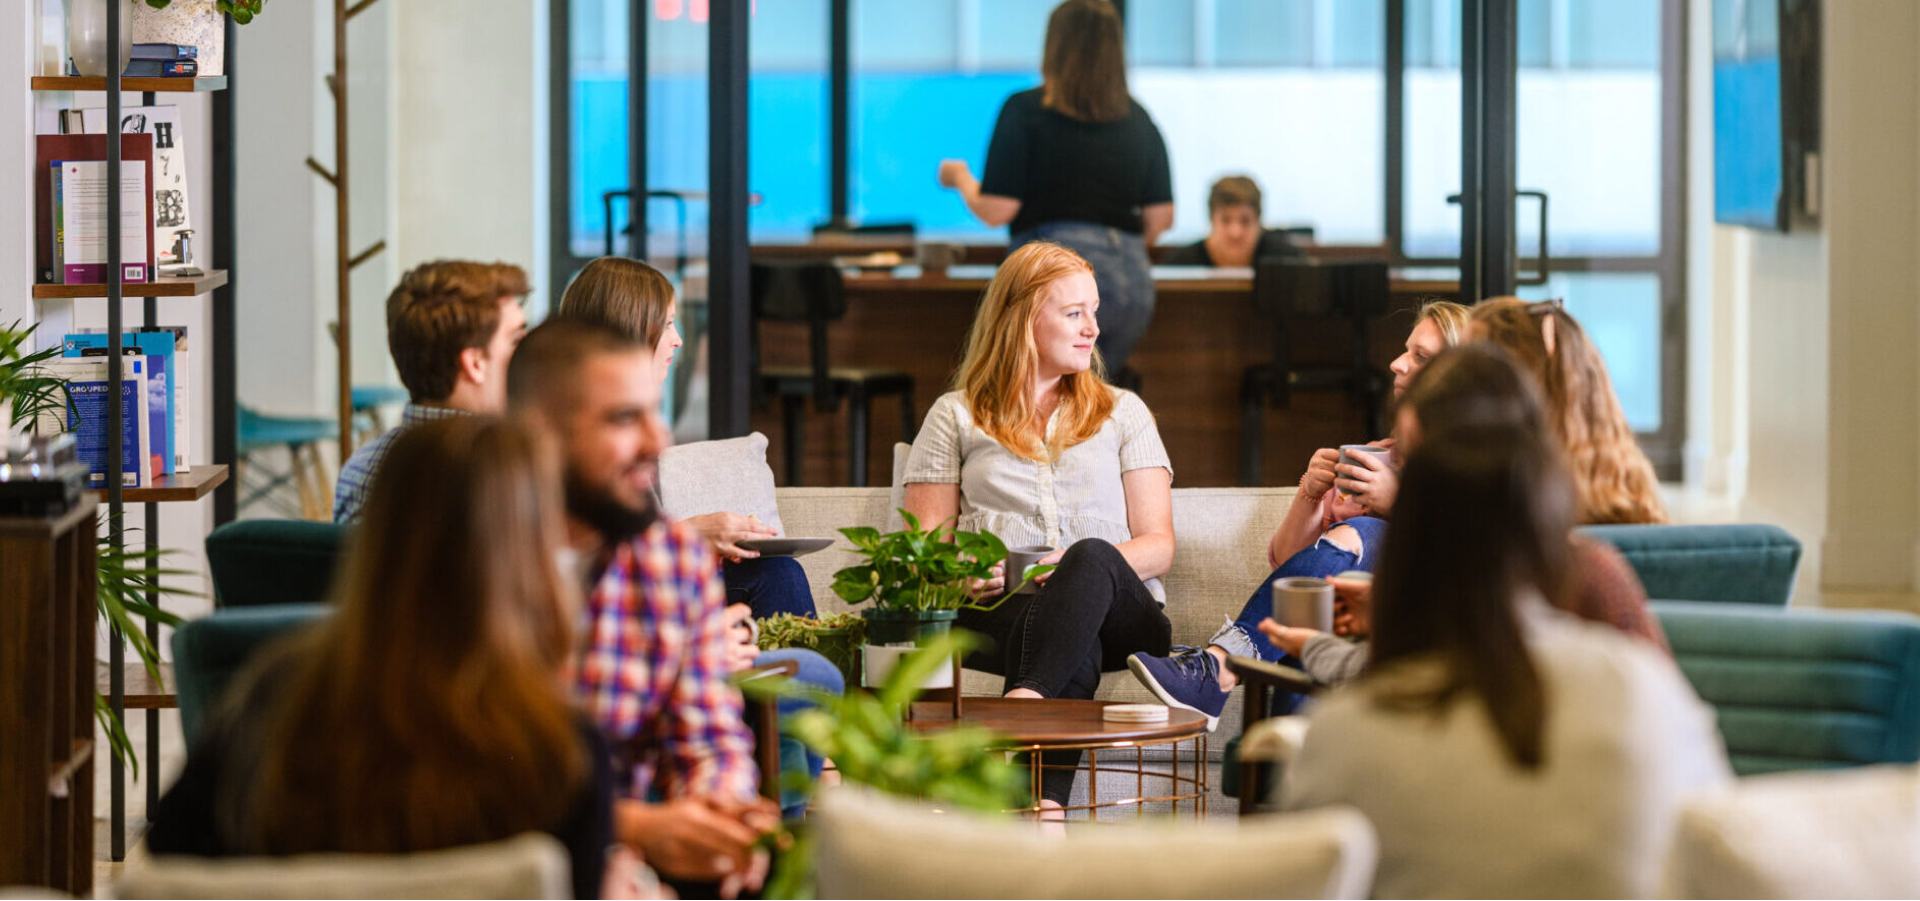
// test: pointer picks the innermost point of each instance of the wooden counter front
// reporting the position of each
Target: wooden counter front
(1203, 336)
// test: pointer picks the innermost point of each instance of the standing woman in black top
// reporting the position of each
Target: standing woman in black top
(429, 710)
(1077, 162)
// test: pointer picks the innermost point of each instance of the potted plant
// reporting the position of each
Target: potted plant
(918, 580)
(195, 23)
(838, 638)
(864, 735)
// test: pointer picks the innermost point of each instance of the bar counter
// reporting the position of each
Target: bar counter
(1204, 334)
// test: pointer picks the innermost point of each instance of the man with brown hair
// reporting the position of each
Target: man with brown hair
(452, 326)
(1236, 237)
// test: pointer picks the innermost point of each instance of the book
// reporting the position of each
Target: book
(162, 385)
(83, 222)
(179, 378)
(160, 68)
(87, 415)
(170, 207)
(58, 224)
(53, 148)
(164, 51)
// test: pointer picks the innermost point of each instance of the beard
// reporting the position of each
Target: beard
(600, 509)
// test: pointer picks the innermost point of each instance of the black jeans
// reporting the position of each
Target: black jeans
(1090, 616)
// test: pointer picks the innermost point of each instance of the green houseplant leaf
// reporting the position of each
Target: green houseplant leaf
(918, 568)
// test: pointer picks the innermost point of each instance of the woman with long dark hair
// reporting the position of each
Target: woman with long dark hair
(430, 710)
(1077, 161)
(1501, 747)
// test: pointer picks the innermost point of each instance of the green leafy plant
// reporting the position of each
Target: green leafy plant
(124, 583)
(242, 11)
(33, 394)
(865, 736)
(837, 638)
(920, 569)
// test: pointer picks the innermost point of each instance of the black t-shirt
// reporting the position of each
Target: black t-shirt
(1273, 243)
(1062, 169)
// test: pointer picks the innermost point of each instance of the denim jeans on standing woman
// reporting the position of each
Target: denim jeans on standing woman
(1122, 272)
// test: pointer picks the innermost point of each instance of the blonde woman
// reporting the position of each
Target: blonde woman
(1614, 480)
(1037, 448)
(1326, 531)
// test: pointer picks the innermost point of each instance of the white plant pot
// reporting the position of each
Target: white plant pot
(878, 660)
(87, 35)
(195, 22)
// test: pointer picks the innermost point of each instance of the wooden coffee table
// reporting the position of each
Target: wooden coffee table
(1028, 726)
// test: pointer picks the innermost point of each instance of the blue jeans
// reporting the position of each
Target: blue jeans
(1122, 273)
(1322, 559)
(770, 585)
(815, 672)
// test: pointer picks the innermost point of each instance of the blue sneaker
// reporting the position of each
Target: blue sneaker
(1189, 679)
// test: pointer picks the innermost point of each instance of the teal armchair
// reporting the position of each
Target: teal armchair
(1804, 689)
(1748, 563)
(209, 652)
(273, 561)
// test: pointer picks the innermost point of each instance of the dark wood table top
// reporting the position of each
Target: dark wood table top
(1057, 722)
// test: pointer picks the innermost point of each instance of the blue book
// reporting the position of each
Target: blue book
(87, 416)
(157, 349)
(164, 51)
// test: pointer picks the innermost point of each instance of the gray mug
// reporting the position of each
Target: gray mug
(1303, 602)
(1019, 559)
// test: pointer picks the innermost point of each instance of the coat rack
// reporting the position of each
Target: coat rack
(344, 261)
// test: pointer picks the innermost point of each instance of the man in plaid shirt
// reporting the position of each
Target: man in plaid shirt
(654, 671)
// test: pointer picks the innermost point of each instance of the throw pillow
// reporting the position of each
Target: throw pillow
(730, 475)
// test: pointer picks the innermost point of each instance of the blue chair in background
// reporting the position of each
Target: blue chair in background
(306, 468)
(1747, 563)
(1802, 689)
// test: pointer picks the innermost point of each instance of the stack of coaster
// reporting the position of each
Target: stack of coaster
(1135, 713)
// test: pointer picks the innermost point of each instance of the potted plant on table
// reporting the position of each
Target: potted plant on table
(838, 638)
(917, 580)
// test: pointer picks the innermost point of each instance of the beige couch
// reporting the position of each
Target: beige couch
(1220, 557)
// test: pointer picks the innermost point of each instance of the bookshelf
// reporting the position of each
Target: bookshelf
(129, 686)
(182, 488)
(164, 286)
(142, 85)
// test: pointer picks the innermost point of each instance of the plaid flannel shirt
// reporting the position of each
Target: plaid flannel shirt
(356, 475)
(654, 676)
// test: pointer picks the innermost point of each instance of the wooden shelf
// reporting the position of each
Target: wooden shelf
(141, 692)
(164, 286)
(192, 485)
(156, 85)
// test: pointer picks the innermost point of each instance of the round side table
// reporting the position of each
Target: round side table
(1030, 726)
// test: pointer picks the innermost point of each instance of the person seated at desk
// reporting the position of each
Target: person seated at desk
(1237, 238)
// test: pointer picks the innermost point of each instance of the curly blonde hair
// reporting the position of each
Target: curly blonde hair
(1613, 477)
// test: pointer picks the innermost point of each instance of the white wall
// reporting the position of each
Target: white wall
(1809, 396)
(471, 120)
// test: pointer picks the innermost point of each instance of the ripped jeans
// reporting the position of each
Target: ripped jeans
(1324, 558)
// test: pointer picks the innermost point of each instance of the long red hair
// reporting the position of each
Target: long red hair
(1001, 359)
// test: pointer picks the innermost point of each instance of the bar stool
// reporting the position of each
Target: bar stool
(307, 469)
(816, 293)
(1290, 291)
